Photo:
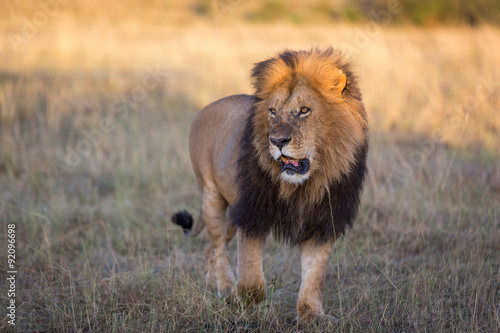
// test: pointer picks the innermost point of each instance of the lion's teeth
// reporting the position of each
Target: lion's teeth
(289, 160)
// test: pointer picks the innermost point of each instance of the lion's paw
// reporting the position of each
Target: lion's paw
(251, 295)
(309, 314)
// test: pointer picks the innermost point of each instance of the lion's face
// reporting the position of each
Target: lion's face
(309, 121)
(292, 118)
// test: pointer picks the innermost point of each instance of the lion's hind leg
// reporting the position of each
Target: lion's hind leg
(210, 258)
(213, 209)
(210, 280)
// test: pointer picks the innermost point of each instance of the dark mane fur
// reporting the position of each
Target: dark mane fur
(260, 210)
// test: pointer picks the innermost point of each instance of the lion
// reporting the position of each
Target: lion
(289, 161)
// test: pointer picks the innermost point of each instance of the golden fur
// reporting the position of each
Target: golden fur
(319, 71)
(307, 112)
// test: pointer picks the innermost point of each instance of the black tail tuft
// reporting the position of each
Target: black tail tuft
(183, 219)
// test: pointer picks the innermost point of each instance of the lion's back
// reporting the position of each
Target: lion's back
(214, 141)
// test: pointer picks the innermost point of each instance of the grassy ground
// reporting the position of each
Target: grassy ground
(91, 182)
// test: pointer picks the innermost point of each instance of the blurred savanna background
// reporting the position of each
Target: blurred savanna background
(96, 100)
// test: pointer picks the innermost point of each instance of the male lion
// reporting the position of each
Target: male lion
(290, 161)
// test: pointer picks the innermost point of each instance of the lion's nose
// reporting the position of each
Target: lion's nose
(280, 142)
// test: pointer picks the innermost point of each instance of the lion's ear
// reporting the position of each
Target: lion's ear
(332, 80)
(339, 81)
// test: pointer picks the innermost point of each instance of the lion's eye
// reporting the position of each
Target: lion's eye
(272, 110)
(304, 110)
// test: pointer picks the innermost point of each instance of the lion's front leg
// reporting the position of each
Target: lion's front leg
(251, 284)
(314, 259)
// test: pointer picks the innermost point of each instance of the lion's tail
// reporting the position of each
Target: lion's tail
(185, 220)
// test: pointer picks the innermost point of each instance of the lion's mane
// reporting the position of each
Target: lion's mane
(327, 203)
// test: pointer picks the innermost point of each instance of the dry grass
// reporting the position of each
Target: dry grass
(96, 250)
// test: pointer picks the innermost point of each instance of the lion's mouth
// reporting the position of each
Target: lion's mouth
(292, 166)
